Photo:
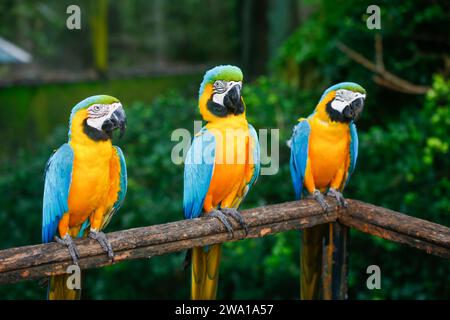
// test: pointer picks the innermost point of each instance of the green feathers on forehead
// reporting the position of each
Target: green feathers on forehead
(351, 86)
(86, 103)
(226, 73)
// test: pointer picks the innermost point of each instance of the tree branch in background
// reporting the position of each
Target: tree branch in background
(387, 84)
(379, 52)
(383, 77)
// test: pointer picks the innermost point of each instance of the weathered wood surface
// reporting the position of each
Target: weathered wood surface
(311, 262)
(398, 227)
(335, 262)
(37, 261)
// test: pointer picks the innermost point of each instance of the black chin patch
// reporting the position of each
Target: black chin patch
(217, 109)
(95, 134)
(335, 115)
(222, 111)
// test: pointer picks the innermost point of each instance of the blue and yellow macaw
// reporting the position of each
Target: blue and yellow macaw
(221, 166)
(324, 149)
(85, 182)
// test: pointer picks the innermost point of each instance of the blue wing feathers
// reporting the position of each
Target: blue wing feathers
(58, 176)
(353, 151)
(299, 155)
(123, 179)
(256, 155)
(353, 147)
(198, 171)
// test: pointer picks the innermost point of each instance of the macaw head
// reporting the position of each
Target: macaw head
(342, 102)
(220, 93)
(97, 117)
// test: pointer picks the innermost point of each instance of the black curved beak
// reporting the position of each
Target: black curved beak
(232, 100)
(354, 109)
(118, 120)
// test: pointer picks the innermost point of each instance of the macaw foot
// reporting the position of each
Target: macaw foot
(339, 197)
(70, 244)
(318, 196)
(236, 215)
(104, 242)
(222, 218)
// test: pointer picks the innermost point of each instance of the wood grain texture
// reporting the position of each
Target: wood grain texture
(42, 260)
(37, 261)
(335, 262)
(397, 227)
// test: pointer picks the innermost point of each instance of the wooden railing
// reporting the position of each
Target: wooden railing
(43, 260)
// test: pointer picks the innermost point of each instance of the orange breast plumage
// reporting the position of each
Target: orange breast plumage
(232, 161)
(328, 151)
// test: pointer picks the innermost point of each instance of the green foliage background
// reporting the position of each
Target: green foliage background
(403, 164)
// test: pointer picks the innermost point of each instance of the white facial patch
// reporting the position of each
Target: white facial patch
(221, 89)
(344, 97)
(98, 113)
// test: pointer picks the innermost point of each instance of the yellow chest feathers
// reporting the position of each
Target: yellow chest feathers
(231, 159)
(328, 150)
(91, 180)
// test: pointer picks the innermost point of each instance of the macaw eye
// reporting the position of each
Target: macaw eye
(97, 108)
(220, 86)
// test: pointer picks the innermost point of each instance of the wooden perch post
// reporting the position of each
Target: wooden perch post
(43, 260)
(335, 262)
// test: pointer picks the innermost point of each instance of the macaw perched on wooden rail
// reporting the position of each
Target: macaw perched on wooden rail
(85, 182)
(221, 166)
(324, 149)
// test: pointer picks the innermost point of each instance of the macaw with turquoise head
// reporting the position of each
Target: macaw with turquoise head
(324, 150)
(85, 182)
(221, 166)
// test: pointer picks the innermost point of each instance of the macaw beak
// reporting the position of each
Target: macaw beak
(232, 99)
(354, 109)
(117, 120)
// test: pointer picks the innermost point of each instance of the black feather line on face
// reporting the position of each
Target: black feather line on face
(217, 109)
(334, 114)
(240, 108)
(95, 134)
(222, 111)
